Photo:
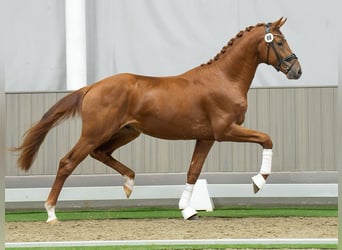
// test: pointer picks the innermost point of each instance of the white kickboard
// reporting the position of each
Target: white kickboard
(200, 199)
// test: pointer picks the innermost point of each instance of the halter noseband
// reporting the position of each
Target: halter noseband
(284, 64)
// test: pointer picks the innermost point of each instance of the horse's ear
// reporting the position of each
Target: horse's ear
(279, 23)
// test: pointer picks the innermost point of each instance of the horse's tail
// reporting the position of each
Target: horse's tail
(68, 106)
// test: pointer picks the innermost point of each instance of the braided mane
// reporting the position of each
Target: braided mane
(230, 43)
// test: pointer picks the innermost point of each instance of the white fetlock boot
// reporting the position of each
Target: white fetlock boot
(184, 203)
(259, 180)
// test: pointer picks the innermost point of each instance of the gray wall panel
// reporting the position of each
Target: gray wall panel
(299, 120)
(328, 123)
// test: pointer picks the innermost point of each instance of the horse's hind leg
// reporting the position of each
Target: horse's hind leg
(66, 166)
(104, 151)
(201, 151)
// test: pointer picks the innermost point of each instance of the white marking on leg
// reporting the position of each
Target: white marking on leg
(128, 185)
(184, 201)
(51, 214)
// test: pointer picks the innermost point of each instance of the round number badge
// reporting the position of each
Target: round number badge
(269, 37)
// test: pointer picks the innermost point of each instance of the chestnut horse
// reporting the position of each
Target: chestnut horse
(207, 104)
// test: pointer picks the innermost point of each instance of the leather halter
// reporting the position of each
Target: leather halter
(284, 64)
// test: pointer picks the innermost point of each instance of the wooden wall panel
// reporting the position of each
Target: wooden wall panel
(300, 121)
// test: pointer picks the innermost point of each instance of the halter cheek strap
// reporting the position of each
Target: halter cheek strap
(284, 64)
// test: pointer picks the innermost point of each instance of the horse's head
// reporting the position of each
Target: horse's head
(275, 51)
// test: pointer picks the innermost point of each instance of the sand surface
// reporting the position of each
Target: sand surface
(166, 229)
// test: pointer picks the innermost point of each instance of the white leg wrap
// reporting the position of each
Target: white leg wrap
(51, 213)
(266, 167)
(266, 164)
(259, 181)
(188, 213)
(184, 201)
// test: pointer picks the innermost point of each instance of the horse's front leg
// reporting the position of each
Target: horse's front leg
(238, 133)
(259, 180)
(201, 151)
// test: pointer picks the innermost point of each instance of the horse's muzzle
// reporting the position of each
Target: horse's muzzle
(295, 72)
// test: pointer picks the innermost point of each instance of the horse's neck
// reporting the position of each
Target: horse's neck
(238, 65)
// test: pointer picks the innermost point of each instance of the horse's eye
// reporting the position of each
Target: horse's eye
(280, 43)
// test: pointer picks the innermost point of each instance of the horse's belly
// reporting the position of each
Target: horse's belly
(174, 130)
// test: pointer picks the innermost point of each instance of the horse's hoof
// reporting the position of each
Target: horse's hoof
(194, 217)
(52, 221)
(189, 213)
(255, 188)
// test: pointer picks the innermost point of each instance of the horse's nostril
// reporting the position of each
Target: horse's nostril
(299, 73)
